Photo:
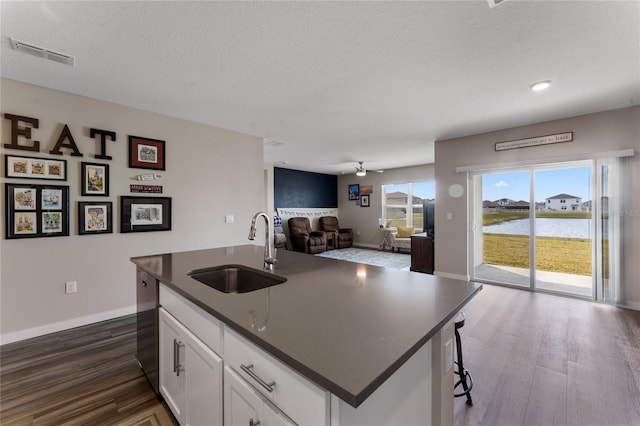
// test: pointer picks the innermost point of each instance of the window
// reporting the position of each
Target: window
(400, 199)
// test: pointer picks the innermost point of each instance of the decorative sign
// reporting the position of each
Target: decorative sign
(150, 189)
(540, 140)
(147, 177)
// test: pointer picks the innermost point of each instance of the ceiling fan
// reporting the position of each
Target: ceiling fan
(361, 171)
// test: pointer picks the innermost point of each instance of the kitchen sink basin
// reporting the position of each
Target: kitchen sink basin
(235, 278)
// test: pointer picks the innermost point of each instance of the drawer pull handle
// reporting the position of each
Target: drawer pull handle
(175, 356)
(178, 366)
(249, 370)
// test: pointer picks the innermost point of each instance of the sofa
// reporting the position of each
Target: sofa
(303, 239)
(400, 237)
(343, 237)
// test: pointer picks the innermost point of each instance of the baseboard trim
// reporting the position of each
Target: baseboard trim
(454, 276)
(29, 333)
(629, 305)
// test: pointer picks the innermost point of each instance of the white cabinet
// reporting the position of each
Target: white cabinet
(244, 406)
(300, 399)
(190, 375)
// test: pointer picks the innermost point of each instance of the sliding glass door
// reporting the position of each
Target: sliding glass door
(505, 245)
(546, 228)
(564, 230)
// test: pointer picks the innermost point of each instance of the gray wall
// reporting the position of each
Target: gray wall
(364, 220)
(201, 163)
(593, 133)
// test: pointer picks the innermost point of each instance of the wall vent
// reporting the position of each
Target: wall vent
(41, 52)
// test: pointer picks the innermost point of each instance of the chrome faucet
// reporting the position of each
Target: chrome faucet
(269, 258)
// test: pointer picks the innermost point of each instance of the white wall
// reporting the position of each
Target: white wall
(593, 133)
(211, 172)
(364, 220)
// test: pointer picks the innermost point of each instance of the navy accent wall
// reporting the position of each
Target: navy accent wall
(294, 188)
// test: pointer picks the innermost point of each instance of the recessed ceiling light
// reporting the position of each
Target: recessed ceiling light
(539, 86)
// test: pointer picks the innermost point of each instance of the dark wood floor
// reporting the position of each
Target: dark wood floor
(536, 359)
(83, 376)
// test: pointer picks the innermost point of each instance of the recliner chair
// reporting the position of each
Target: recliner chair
(344, 236)
(305, 240)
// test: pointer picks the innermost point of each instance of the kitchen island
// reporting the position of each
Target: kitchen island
(347, 328)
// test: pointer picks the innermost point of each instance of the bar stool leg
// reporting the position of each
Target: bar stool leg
(462, 372)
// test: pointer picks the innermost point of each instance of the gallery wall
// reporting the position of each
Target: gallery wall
(201, 162)
(592, 134)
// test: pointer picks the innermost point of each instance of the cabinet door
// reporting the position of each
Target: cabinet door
(274, 417)
(243, 406)
(203, 372)
(172, 351)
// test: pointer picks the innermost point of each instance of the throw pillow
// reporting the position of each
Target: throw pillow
(405, 231)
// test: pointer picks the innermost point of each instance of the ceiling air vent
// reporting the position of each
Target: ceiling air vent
(41, 52)
(494, 3)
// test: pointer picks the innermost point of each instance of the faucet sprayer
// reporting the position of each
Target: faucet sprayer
(269, 258)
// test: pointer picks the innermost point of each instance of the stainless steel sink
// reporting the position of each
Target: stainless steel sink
(235, 278)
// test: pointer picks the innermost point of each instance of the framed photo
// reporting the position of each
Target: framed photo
(36, 211)
(16, 166)
(143, 214)
(366, 189)
(146, 153)
(95, 179)
(364, 200)
(95, 218)
(354, 192)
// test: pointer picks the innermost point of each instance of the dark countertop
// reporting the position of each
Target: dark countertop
(345, 326)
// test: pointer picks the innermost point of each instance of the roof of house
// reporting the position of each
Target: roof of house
(559, 196)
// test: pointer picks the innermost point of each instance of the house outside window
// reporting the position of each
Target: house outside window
(402, 202)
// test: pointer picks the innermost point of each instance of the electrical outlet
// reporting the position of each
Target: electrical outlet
(229, 218)
(70, 287)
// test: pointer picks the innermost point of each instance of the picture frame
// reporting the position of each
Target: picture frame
(354, 192)
(366, 189)
(34, 211)
(18, 166)
(145, 153)
(364, 200)
(95, 218)
(95, 179)
(145, 214)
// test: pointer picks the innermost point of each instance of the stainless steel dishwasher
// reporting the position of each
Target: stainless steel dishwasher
(147, 326)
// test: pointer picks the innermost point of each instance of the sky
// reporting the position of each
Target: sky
(424, 190)
(515, 186)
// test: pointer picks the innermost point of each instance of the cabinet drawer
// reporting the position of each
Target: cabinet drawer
(297, 397)
(195, 319)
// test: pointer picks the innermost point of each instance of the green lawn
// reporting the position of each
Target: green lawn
(568, 255)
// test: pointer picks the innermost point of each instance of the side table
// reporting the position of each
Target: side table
(331, 240)
(386, 241)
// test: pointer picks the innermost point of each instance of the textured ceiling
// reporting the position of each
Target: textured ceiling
(337, 82)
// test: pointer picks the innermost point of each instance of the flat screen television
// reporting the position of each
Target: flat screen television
(428, 213)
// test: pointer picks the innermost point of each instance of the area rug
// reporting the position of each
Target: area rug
(370, 257)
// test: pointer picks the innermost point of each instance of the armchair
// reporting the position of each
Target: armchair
(305, 240)
(343, 236)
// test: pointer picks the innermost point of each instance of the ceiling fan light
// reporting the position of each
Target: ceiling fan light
(361, 173)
